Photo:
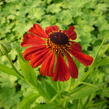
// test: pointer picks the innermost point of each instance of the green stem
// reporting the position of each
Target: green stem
(100, 47)
(9, 60)
(92, 66)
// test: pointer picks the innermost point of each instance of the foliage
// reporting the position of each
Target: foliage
(21, 87)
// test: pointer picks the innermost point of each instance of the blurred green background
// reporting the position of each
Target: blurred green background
(91, 21)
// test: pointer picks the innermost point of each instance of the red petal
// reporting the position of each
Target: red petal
(47, 66)
(32, 50)
(31, 40)
(71, 33)
(72, 67)
(83, 58)
(36, 60)
(61, 72)
(51, 29)
(37, 30)
(75, 46)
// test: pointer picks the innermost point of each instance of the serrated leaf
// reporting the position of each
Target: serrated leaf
(7, 80)
(8, 97)
(27, 101)
(54, 8)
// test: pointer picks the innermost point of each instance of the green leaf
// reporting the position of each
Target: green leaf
(63, 19)
(5, 48)
(46, 89)
(8, 70)
(27, 101)
(83, 91)
(104, 61)
(7, 80)
(27, 71)
(47, 106)
(105, 92)
(54, 8)
(36, 13)
(8, 97)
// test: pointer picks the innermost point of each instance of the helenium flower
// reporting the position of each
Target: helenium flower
(53, 49)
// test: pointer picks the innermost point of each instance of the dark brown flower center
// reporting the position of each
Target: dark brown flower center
(59, 38)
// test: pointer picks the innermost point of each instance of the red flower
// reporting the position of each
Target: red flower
(50, 48)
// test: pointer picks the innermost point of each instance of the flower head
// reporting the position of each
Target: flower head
(53, 49)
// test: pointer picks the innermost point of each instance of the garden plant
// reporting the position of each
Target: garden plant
(54, 54)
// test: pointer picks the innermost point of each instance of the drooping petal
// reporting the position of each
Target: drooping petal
(32, 50)
(47, 66)
(83, 58)
(31, 40)
(71, 33)
(36, 60)
(61, 72)
(51, 29)
(38, 31)
(72, 66)
(75, 46)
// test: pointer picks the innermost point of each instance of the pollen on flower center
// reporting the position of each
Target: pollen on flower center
(59, 38)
